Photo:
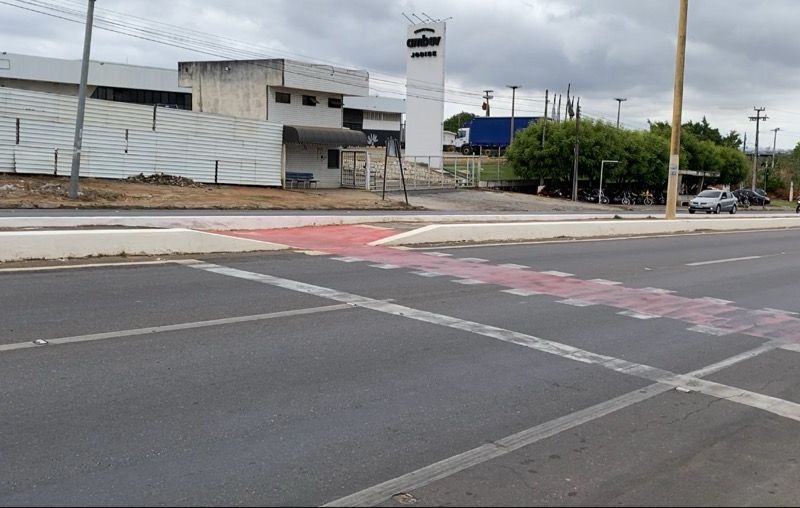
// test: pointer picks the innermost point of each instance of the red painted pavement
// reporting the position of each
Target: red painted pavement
(353, 241)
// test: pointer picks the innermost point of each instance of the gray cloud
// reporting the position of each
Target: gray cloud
(740, 53)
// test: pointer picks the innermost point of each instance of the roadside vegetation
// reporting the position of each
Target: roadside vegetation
(643, 155)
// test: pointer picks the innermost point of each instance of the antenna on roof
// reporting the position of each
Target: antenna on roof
(409, 19)
(420, 19)
(430, 18)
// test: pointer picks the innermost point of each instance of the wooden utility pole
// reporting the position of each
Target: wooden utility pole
(577, 151)
(677, 113)
(757, 119)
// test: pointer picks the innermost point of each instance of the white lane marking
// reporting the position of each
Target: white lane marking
(377, 494)
(638, 315)
(791, 347)
(474, 260)
(555, 273)
(313, 253)
(779, 311)
(715, 300)
(573, 302)
(605, 282)
(710, 330)
(177, 327)
(96, 265)
(521, 292)
(780, 407)
(438, 254)
(658, 291)
(348, 260)
(429, 275)
(512, 266)
(720, 261)
(469, 282)
(386, 267)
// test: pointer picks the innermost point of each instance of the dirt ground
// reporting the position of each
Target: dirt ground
(27, 191)
(35, 191)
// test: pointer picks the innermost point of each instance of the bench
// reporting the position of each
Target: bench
(304, 179)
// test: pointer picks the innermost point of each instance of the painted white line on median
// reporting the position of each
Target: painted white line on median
(348, 260)
(780, 407)
(605, 282)
(720, 261)
(658, 291)
(574, 302)
(469, 282)
(638, 315)
(450, 466)
(422, 477)
(172, 328)
(438, 254)
(95, 265)
(779, 311)
(474, 260)
(717, 301)
(513, 266)
(428, 275)
(555, 273)
(386, 267)
(710, 330)
(521, 292)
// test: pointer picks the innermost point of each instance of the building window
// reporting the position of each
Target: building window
(283, 98)
(309, 100)
(333, 159)
(335, 102)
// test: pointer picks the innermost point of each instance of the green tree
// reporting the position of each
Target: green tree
(455, 122)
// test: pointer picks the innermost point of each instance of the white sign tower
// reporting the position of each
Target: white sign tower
(425, 60)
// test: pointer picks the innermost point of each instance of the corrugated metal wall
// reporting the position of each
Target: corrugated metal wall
(119, 141)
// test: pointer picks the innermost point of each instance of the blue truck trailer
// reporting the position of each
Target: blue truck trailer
(489, 133)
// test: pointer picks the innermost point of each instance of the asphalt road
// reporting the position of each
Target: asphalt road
(629, 372)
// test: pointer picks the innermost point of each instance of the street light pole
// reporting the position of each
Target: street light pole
(603, 163)
(513, 102)
(78, 142)
(677, 110)
(620, 100)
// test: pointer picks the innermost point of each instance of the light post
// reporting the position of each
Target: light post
(602, 164)
(513, 103)
(620, 100)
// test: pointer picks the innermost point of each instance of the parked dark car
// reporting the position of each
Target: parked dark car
(755, 198)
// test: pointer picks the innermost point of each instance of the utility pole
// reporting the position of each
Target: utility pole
(544, 118)
(488, 97)
(774, 146)
(558, 117)
(620, 100)
(757, 119)
(513, 103)
(677, 112)
(577, 151)
(78, 143)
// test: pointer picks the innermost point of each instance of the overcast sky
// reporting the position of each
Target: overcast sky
(741, 53)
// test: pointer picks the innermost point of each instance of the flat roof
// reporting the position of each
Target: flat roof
(59, 70)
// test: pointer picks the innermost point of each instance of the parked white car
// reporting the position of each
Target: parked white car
(714, 201)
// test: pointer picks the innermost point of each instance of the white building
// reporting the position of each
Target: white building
(108, 81)
(307, 99)
(378, 117)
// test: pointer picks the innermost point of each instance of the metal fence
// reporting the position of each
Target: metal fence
(422, 173)
(122, 140)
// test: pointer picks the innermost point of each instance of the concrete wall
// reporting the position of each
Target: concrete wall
(232, 88)
(297, 114)
(325, 78)
(313, 159)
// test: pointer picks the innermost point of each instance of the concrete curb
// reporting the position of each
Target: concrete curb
(477, 233)
(29, 245)
(244, 222)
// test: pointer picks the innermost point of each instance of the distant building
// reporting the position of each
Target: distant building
(107, 81)
(378, 117)
(307, 99)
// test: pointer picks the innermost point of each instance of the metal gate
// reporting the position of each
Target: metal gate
(355, 169)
